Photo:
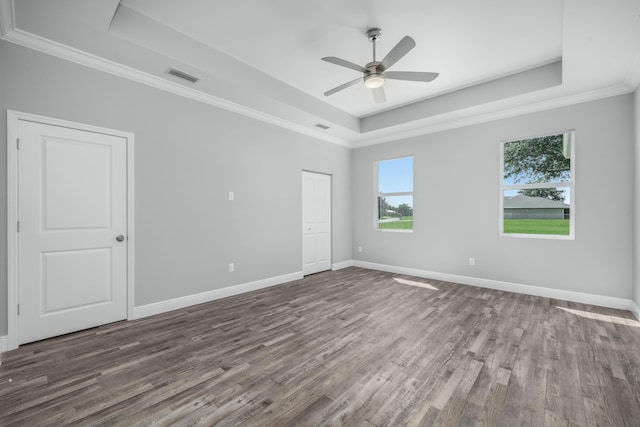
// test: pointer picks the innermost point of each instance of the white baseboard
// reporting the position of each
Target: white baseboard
(186, 301)
(189, 300)
(583, 298)
(635, 309)
(341, 265)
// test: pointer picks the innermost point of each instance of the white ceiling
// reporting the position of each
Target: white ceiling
(287, 38)
(495, 57)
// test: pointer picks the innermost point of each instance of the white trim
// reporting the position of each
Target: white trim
(12, 235)
(341, 265)
(579, 297)
(633, 75)
(635, 309)
(13, 117)
(505, 113)
(131, 241)
(50, 47)
(537, 236)
(189, 300)
(549, 184)
(570, 184)
(32, 41)
(375, 184)
(4, 345)
(317, 266)
(397, 193)
(378, 193)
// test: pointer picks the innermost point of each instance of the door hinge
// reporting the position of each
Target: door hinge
(18, 309)
(18, 226)
(18, 143)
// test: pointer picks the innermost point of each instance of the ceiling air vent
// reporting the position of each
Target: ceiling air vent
(321, 126)
(182, 75)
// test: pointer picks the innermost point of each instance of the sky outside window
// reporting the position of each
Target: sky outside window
(396, 175)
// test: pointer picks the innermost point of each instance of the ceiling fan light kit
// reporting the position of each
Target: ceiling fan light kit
(374, 73)
(374, 80)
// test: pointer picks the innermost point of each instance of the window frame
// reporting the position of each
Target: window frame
(570, 184)
(378, 194)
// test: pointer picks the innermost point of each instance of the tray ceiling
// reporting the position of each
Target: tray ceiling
(495, 58)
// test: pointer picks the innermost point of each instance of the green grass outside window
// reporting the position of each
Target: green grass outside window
(537, 226)
(406, 223)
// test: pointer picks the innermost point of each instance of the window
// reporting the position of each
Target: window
(395, 194)
(537, 187)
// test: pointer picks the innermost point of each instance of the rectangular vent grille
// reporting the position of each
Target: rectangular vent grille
(183, 75)
(321, 126)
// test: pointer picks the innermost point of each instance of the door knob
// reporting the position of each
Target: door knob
(120, 238)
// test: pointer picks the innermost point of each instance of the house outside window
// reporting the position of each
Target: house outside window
(537, 187)
(394, 200)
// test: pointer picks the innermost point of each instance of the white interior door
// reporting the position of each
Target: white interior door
(72, 211)
(316, 222)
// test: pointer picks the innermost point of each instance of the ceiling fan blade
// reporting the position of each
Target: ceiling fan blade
(344, 63)
(401, 49)
(414, 76)
(378, 95)
(344, 86)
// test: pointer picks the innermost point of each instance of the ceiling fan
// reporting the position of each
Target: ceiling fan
(375, 72)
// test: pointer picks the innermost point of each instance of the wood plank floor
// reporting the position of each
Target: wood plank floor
(352, 347)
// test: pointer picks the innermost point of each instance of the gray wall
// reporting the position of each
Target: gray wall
(188, 156)
(636, 211)
(456, 200)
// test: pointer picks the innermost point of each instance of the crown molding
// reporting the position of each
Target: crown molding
(474, 115)
(50, 47)
(633, 76)
(478, 117)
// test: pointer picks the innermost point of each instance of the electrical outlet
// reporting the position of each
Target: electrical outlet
(232, 267)
(231, 195)
(359, 248)
(472, 261)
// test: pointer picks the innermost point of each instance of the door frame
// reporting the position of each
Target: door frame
(13, 289)
(330, 175)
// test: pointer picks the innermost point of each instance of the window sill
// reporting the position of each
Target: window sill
(539, 236)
